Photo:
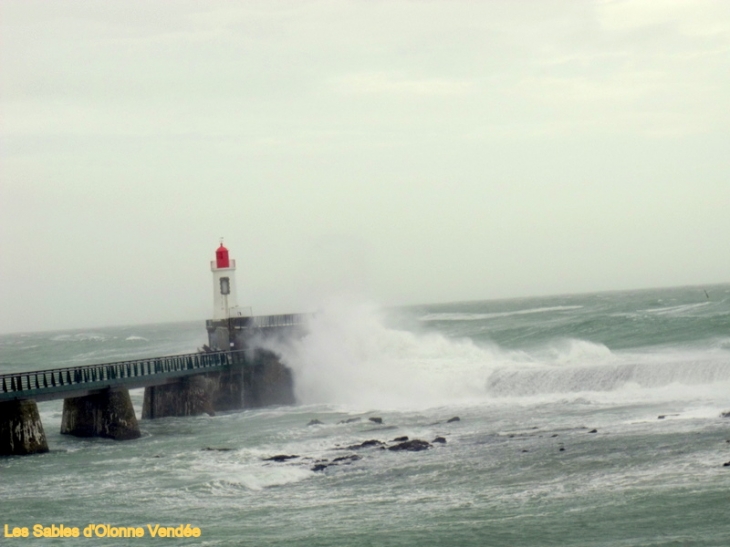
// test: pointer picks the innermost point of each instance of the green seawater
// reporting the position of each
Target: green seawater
(527, 378)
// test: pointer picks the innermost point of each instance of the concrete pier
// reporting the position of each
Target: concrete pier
(259, 381)
(108, 414)
(232, 373)
(268, 381)
(191, 396)
(21, 430)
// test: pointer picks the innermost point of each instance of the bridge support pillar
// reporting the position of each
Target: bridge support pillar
(107, 414)
(21, 430)
(191, 396)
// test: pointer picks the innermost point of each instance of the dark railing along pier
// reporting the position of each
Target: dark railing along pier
(262, 321)
(43, 385)
(97, 401)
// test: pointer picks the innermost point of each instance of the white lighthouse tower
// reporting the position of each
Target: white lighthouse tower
(225, 303)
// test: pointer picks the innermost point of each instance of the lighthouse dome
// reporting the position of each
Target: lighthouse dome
(221, 257)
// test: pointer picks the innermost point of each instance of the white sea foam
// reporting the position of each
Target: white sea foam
(258, 478)
(351, 358)
(135, 338)
(80, 337)
(480, 316)
(675, 310)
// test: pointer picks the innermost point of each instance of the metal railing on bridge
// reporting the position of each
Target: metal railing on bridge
(264, 321)
(34, 382)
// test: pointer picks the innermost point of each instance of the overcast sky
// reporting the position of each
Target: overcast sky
(410, 152)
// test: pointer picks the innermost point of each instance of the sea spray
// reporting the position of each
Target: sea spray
(349, 356)
(352, 355)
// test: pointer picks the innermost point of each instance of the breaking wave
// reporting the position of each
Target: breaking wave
(480, 316)
(351, 357)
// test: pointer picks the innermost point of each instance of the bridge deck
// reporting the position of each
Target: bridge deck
(60, 383)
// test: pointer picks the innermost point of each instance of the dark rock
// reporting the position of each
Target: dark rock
(726, 464)
(349, 421)
(454, 419)
(725, 414)
(661, 417)
(376, 420)
(315, 422)
(366, 444)
(217, 448)
(525, 450)
(593, 431)
(439, 440)
(319, 467)
(280, 458)
(400, 439)
(413, 446)
(349, 459)
(554, 435)
(561, 449)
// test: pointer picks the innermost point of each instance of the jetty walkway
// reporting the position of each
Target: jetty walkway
(232, 375)
(61, 383)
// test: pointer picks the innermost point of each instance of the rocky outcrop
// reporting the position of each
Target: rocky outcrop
(281, 458)
(414, 445)
(366, 444)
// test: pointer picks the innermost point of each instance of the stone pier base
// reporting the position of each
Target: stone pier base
(21, 430)
(256, 381)
(108, 414)
(268, 381)
(191, 396)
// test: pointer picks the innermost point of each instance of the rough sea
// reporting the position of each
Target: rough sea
(584, 420)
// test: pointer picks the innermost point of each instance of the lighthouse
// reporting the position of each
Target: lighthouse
(225, 303)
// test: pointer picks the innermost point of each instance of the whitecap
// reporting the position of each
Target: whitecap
(479, 316)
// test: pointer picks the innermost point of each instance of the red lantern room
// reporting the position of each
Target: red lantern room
(221, 257)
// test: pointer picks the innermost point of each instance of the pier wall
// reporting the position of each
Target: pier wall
(241, 374)
(206, 393)
(21, 430)
(108, 414)
(266, 380)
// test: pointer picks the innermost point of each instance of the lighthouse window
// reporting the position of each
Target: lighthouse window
(225, 286)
